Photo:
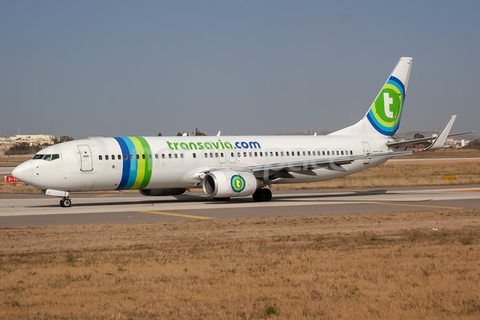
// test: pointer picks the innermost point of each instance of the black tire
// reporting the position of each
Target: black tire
(266, 195)
(257, 195)
(62, 204)
(67, 203)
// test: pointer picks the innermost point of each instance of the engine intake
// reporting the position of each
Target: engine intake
(229, 183)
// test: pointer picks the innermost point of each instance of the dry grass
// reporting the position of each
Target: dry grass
(375, 266)
(402, 174)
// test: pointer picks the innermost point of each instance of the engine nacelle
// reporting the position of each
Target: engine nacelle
(229, 183)
(162, 192)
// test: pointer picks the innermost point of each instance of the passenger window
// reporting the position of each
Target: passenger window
(138, 156)
(156, 156)
(232, 154)
(239, 154)
(99, 158)
(255, 154)
(261, 154)
(125, 157)
(298, 153)
(288, 153)
(211, 155)
(143, 156)
(323, 153)
(163, 155)
(169, 156)
(245, 154)
(328, 153)
(150, 156)
(106, 157)
(119, 157)
(337, 153)
(194, 155)
(249, 154)
(216, 154)
(351, 152)
(271, 153)
(281, 153)
(206, 155)
(131, 157)
(342, 153)
(176, 156)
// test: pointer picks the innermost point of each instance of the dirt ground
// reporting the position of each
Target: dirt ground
(423, 265)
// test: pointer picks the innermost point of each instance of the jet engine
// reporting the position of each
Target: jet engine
(229, 183)
(162, 192)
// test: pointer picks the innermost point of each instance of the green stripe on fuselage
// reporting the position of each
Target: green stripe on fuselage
(144, 166)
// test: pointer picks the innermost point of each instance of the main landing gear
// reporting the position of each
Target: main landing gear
(65, 202)
(261, 195)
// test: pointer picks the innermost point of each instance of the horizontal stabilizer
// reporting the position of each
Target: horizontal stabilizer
(405, 143)
(442, 137)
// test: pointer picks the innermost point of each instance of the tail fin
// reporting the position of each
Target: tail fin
(383, 117)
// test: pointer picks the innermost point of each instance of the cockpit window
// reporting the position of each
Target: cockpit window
(47, 157)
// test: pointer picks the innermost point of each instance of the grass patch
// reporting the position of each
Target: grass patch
(345, 266)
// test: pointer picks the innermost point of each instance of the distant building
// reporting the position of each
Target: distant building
(32, 140)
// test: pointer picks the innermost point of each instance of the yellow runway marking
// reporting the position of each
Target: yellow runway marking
(176, 214)
(467, 191)
(413, 205)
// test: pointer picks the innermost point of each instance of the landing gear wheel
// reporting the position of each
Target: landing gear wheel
(266, 195)
(261, 195)
(256, 195)
(65, 203)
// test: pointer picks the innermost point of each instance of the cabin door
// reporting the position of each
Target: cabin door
(86, 160)
(366, 151)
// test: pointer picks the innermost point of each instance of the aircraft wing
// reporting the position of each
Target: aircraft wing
(332, 163)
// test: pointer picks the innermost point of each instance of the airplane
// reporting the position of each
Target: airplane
(227, 166)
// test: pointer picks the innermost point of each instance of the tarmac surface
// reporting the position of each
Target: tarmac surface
(36, 210)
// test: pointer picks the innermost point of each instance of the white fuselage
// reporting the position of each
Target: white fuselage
(179, 162)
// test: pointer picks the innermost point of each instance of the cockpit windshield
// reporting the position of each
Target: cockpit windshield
(46, 157)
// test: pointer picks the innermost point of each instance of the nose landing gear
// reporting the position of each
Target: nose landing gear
(65, 202)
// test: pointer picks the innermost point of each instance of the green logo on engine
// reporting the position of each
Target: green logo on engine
(237, 183)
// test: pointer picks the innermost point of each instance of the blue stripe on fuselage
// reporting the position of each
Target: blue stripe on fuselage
(126, 163)
(133, 163)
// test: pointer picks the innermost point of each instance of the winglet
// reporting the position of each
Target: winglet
(440, 141)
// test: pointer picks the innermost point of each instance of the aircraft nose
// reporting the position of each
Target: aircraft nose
(23, 172)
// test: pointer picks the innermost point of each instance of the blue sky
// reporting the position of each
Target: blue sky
(118, 68)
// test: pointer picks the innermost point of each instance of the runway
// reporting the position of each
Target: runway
(38, 210)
